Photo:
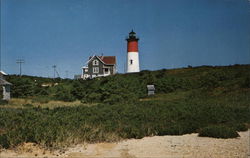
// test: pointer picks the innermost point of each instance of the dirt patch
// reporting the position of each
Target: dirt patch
(189, 145)
(27, 150)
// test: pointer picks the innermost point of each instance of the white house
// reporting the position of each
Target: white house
(5, 86)
(98, 66)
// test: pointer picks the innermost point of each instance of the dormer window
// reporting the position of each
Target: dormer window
(95, 62)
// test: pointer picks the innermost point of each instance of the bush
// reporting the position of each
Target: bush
(246, 83)
(3, 102)
(22, 87)
(120, 114)
(209, 81)
(41, 99)
(116, 88)
(41, 91)
(218, 131)
(28, 105)
(4, 141)
(241, 127)
(64, 94)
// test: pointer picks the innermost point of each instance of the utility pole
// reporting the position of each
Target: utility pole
(55, 72)
(20, 62)
(54, 67)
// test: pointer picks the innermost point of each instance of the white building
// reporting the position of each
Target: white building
(98, 66)
(132, 53)
(5, 86)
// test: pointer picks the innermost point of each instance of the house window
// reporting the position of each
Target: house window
(95, 69)
(131, 62)
(86, 70)
(106, 70)
(95, 62)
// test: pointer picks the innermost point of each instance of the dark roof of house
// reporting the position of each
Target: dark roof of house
(4, 82)
(109, 60)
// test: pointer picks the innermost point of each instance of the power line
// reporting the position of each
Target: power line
(20, 62)
(57, 74)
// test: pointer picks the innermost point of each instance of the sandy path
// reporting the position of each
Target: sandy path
(189, 145)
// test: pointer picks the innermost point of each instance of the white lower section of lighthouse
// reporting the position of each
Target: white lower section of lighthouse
(133, 62)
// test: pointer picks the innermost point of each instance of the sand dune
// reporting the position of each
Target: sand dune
(189, 145)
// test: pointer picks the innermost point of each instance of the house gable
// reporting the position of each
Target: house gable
(93, 58)
(106, 60)
(95, 69)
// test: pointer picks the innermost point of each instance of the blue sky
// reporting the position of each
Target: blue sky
(173, 33)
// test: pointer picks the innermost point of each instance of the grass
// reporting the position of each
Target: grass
(218, 131)
(174, 96)
(212, 101)
(22, 103)
(161, 115)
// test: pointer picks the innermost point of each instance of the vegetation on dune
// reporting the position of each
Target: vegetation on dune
(214, 101)
(218, 131)
(131, 87)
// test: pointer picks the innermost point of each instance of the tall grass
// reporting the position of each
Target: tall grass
(104, 122)
(201, 99)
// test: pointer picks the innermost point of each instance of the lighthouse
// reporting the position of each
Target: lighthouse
(133, 55)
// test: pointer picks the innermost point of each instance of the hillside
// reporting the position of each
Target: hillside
(130, 87)
(213, 101)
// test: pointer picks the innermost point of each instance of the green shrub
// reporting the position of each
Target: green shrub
(28, 105)
(41, 99)
(246, 83)
(41, 91)
(83, 101)
(22, 87)
(209, 81)
(3, 102)
(120, 113)
(116, 88)
(218, 131)
(241, 127)
(4, 143)
(64, 94)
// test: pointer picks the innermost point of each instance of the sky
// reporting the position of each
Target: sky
(173, 33)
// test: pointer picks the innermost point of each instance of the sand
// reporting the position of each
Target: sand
(185, 146)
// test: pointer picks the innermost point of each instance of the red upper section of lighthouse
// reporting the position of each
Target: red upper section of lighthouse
(132, 46)
(132, 42)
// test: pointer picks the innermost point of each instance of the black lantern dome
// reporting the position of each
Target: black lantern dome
(132, 36)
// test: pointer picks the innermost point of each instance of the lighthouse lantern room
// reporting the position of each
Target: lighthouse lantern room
(133, 55)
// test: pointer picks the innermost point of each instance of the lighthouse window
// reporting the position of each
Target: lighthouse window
(131, 62)
(95, 62)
